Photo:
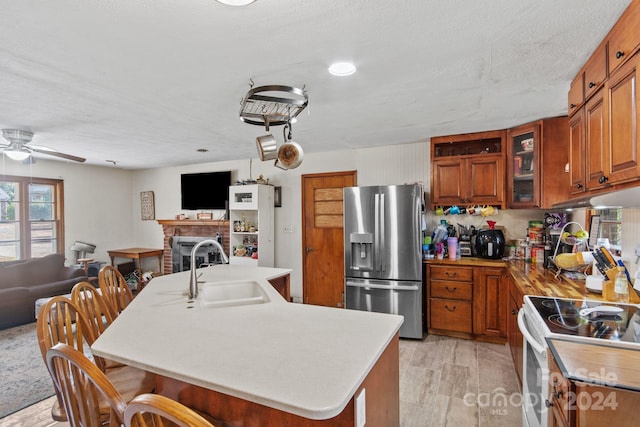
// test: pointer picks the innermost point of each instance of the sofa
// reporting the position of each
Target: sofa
(23, 282)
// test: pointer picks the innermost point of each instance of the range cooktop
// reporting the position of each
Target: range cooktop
(619, 324)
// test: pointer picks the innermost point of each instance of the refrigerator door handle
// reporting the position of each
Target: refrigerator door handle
(383, 266)
(376, 230)
(369, 285)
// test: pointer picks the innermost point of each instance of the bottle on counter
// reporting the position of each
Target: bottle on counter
(452, 247)
(621, 287)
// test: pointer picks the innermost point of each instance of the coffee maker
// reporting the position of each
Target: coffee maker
(464, 239)
(553, 223)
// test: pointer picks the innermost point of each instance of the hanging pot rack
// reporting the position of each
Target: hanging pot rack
(261, 106)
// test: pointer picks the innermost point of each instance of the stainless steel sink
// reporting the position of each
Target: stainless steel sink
(227, 294)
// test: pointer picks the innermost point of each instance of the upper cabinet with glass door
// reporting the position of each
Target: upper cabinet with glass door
(537, 153)
(523, 150)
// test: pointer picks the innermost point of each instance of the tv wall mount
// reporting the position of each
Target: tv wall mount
(272, 105)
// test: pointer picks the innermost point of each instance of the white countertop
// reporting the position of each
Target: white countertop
(303, 359)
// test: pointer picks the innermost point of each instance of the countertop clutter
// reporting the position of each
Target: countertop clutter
(301, 359)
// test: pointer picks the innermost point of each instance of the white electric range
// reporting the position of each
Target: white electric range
(605, 323)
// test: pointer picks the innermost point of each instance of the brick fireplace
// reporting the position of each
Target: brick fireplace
(191, 228)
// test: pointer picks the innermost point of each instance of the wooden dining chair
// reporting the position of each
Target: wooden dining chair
(96, 310)
(89, 398)
(154, 410)
(114, 289)
(61, 321)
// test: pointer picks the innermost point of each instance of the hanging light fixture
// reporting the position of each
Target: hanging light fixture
(18, 154)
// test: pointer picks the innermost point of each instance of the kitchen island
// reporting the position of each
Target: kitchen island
(274, 363)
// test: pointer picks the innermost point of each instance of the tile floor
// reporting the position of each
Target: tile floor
(443, 382)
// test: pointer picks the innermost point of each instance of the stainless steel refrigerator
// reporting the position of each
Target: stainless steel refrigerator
(383, 252)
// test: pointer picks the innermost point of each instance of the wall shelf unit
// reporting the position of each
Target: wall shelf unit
(251, 225)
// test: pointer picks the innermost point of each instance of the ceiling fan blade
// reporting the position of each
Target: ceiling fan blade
(49, 151)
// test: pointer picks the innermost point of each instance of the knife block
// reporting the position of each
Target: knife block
(608, 287)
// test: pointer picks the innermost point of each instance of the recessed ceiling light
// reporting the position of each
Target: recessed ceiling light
(236, 2)
(342, 69)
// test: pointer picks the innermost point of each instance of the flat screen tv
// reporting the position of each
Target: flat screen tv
(207, 190)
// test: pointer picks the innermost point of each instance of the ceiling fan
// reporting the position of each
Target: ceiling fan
(18, 148)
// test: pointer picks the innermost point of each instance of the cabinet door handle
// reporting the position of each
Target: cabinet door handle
(592, 85)
(603, 179)
(547, 403)
(572, 106)
(578, 186)
(452, 309)
(619, 54)
(450, 289)
(514, 311)
(308, 249)
(451, 274)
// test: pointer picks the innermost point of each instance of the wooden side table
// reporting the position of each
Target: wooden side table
(136, 254)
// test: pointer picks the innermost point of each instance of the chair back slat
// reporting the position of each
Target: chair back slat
(114, 288)
(95, 309)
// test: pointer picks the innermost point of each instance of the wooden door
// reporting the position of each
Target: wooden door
(624, 115)
(490, 298)
(447, 176)
(485, 179)
(323, 239)
(577, 153)
(596, 141)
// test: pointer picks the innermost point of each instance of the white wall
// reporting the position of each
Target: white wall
(97, 202)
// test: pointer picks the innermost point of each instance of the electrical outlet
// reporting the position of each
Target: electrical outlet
(361, 409)
(288, 228)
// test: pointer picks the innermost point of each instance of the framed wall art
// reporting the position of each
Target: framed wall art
(147, 206)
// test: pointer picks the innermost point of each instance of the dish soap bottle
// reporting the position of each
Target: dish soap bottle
(621, 287)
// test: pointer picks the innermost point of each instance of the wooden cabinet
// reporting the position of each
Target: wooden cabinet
(622, 102)
(557, 401)
(537, 153)
(623, 40)
(251, 225)
(595, 141)
(467, 301)
(450, 295)
(577, 181)
(468, 169)
(282, 285)
(514, 336)
(604, 109)
(490, 303)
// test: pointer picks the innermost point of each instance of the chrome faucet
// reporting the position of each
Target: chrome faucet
(193, 281)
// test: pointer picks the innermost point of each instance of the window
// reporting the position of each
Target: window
(31, 217)
(610, 227)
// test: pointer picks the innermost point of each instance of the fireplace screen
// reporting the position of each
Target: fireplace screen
(181, 253)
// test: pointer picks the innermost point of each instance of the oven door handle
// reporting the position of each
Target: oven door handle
(527, 335)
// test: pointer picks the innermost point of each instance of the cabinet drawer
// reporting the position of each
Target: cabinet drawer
(451, 290)
(576, 93)
(462, 274)
(595, 72)
(450, 315)
(624, 38)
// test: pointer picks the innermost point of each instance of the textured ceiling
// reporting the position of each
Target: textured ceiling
(147, 82)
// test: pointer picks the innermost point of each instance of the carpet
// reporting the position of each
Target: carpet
(24, 378)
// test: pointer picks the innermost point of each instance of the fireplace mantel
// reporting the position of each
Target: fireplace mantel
(192, 222)
(191, 227)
